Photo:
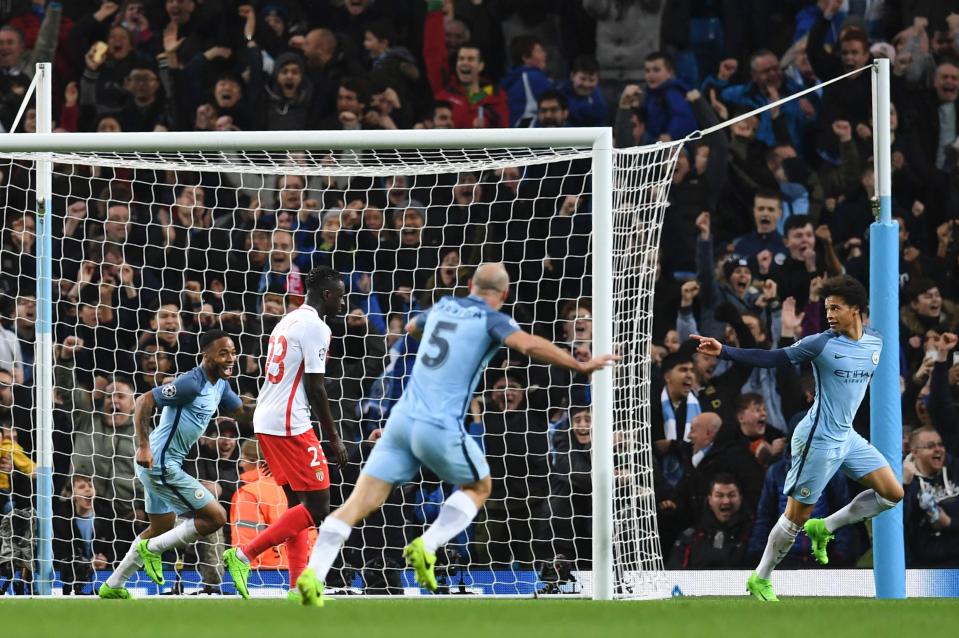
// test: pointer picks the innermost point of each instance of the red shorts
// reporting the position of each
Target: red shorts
(297, 461)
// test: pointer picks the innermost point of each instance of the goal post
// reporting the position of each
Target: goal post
(885, 408)
(44, 346)
(627, 193)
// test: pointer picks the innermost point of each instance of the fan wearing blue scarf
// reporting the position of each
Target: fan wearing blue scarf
(678, 407)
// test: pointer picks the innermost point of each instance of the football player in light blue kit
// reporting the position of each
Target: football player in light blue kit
(459, 336)
(188, 404)
(843, 360)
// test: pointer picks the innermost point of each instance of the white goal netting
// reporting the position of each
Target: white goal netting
(150, 249)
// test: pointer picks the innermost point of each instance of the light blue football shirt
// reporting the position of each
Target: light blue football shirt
(842, 368)
(460, 336)
(188, 404)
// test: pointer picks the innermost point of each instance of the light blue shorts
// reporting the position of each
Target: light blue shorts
(170, 489)
(408, 443)
(813, 467)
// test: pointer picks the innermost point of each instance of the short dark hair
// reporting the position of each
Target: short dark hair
(748, 399)
(674, 359)
(855, 34)
(920, 285)
(522, 46)
(553, 94)
(210, 337)
(796, 221)
(168, 298)
(383, 30)
(359, 86)
(229, 76)
(441, 104)
(321, 278)
(471, 45)
(759, 53)
(723, 478)
(661, 55)
(585, 64)
(768, 193)
(846, 288)
(142, 64)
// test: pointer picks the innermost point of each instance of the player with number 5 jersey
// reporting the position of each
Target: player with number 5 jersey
(459, 336)
(294, 383)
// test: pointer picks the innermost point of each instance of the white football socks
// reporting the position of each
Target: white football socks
(180, 536)
(458, 512)
(865, 505)
(128, 566)
(333, 535)
(781, 539)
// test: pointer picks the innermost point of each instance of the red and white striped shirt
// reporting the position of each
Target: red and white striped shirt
(298, 345)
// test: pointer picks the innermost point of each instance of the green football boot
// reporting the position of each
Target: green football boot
(820, 536)
(422, 563)
(239, 571)
(294, 596)
(761, 589)
(152, 562)
(310, 588)
(107, 592)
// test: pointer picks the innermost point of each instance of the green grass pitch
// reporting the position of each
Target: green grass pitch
(349, 618)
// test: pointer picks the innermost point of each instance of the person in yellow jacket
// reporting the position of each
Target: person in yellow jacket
(12, 458)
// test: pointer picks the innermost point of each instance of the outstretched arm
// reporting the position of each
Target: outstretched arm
(753, 356)
(542, 350)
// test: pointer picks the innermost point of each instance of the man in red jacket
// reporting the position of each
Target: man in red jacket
(475, 104)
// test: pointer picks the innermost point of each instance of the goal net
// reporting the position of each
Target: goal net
(150, 248)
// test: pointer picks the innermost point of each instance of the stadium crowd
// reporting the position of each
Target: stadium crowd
(759, 213)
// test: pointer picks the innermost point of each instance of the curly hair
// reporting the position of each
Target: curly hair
(846, 288)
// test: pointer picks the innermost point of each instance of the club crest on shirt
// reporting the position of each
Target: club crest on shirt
(319, 475)
(875, 358)
(198, 493)
(804, 492)
(168, 391)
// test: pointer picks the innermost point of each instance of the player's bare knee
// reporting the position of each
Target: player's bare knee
(318, 513)
(487, 486)
(159, 524)
(210, 519)
(480, 490)
(893, 493)
(797, 513)
(317, 504)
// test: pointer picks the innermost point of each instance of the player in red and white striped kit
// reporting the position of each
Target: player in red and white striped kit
(295, 367)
